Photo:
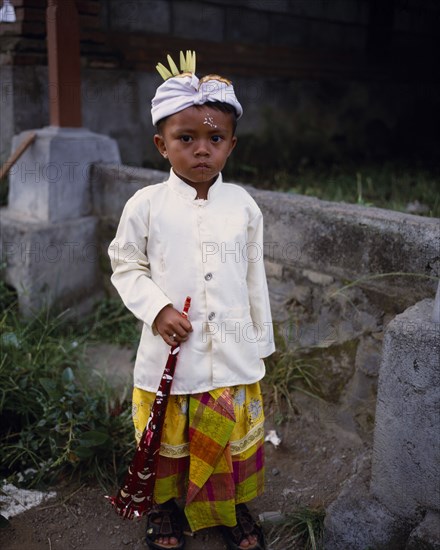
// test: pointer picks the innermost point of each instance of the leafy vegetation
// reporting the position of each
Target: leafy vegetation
(390, 185)
(287, 372)
(57, 418)
(111, 322)
(302, 528)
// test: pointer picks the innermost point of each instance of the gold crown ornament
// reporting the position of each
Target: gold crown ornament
(187, 66)
(176, 94)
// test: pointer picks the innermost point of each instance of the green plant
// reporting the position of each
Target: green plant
(57, 418)
(111, 322)
(287, 372)
(302, 528)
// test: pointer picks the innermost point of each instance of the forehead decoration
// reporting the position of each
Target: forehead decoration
(183, 89)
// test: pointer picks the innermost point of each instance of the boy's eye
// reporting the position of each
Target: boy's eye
(185, 139)
(216, 139)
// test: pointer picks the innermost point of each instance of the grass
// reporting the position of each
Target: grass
(59, 420)
(287, 372)
(385, 187)
(111, 322)
(393, 186)
(302, 528)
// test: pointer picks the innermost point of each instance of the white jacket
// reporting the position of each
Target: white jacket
(170, 245)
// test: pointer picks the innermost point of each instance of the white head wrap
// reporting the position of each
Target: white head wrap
(182, 91)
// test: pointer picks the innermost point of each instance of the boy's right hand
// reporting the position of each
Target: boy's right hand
(172, 326)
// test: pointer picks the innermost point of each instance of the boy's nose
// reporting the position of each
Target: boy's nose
(202, 149)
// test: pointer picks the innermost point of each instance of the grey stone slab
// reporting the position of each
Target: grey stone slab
(50, 182)
(31, 97)
(276, 6)
(53, 265)
(333, 239)
(6, 111)
(306, 8)
(244, 25)
(358, 521)
(114, 184)
(288, 30)
(198, 20)
(117, 104)
(407, 431)
(349, 11)
(140, 15)
(349, 241)
(426, 536)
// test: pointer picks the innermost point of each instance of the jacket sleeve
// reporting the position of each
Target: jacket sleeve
(131, 267)
(257, 287)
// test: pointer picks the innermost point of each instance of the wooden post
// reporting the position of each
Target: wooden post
(64, 64)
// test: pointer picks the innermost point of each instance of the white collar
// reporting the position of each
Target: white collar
(188, 192)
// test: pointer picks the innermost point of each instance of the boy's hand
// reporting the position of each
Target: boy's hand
(172, 326)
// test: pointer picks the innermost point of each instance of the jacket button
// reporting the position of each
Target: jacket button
(208, 276)
(211, 316)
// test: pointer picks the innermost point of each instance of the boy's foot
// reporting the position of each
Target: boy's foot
(164, 527)
(247, 534)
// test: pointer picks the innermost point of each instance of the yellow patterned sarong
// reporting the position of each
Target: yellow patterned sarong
(211, 453)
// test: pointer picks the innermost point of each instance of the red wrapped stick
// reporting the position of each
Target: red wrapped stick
(135, 497)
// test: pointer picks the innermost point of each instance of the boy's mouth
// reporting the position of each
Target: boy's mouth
(201, 165)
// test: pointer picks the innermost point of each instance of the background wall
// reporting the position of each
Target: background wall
(349, 78)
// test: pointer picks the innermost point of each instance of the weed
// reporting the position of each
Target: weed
(287, 371)
(57, 419)
(281, 167)
(302, 528)
(111, 322)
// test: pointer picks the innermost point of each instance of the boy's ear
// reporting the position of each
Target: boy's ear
(233, 144)
(159, 142)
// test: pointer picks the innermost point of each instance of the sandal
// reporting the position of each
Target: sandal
(165, 521)
(246, 525)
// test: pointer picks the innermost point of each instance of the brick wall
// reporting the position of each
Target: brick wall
(297, 38)
(333, 69)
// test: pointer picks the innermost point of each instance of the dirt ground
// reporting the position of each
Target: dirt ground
(314, 459)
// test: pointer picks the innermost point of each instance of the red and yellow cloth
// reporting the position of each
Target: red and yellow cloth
(211, 453)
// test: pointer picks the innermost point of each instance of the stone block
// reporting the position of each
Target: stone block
(345, 10)
(50, 182)
(243, 25)
(197, 20)
(289, 31)
(52, 265)
(6, 110)
(407, 431)
(113, 184)
(368, 357)
(359, 522)
(426, 536)
(273, 269)
(356, 521)
(140, 15)
(353, 242)
(277, 6)
(334, 240)
(318, 278)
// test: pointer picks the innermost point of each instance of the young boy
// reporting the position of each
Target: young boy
(196, 236)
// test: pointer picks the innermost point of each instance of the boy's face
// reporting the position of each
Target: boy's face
(197, 141)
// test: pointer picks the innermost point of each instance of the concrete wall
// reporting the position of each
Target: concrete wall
(407, 439)
(323, 120)
(341, 241)
(350, 79)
